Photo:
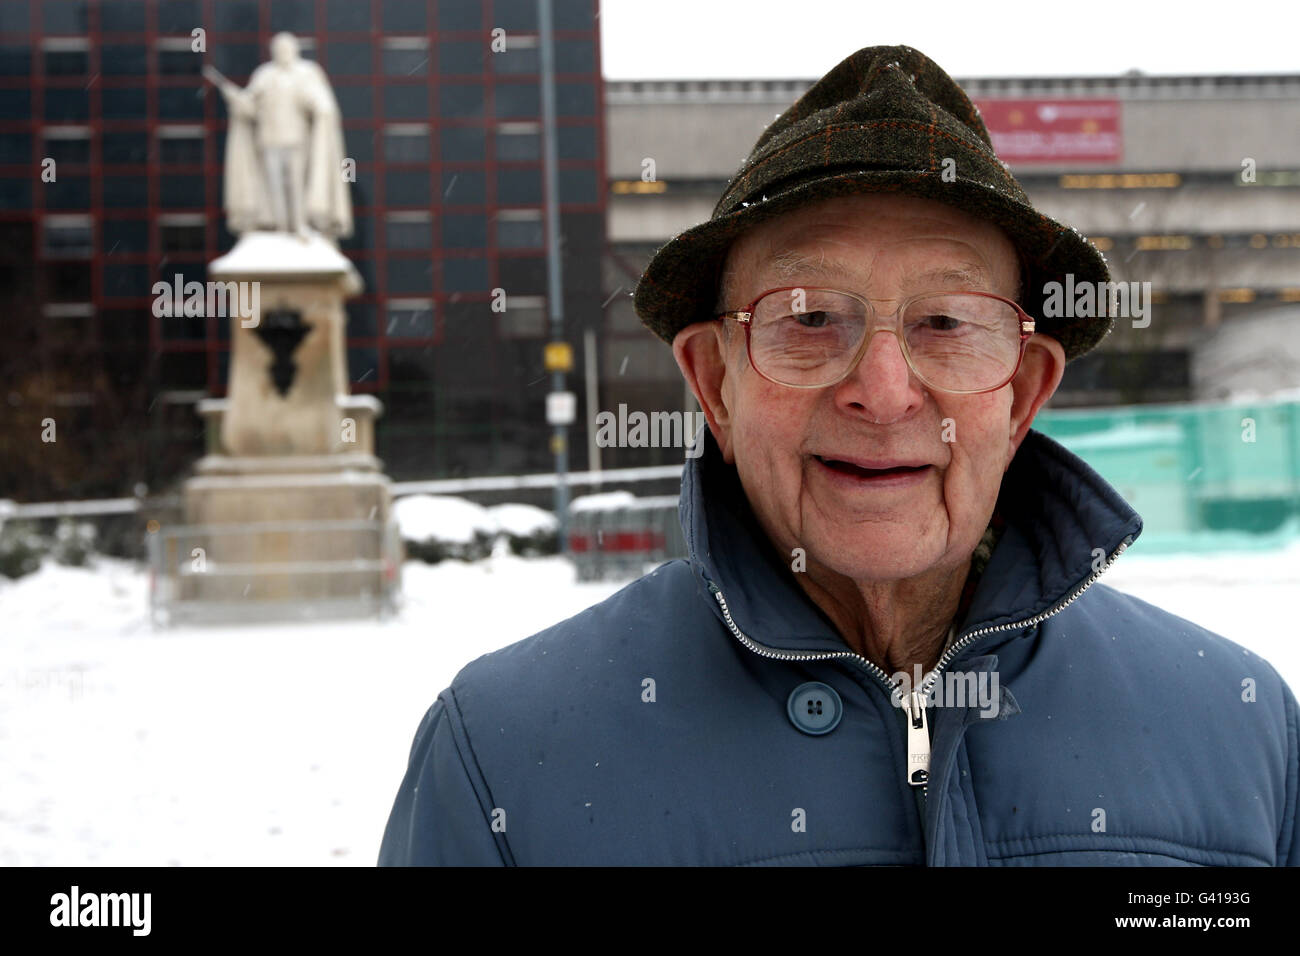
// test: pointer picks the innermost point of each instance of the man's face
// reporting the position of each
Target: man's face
(780, 439)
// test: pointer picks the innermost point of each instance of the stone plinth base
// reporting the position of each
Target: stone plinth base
(264, 545)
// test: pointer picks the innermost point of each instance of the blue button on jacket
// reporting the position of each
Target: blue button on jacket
(1124, 735)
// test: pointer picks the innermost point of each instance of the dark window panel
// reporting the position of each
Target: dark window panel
(180, 103)
(460, 100)
(182, 369)
(296, 16)
(124, 102)
(68, 192)
(404, 16)
(518, 147)
(125, 147)
(63, 16)
(406, 147)
(349, 58)
(363, 365)
(123, 236)
(413, 366)
(522, 275)
(407, 323)
(67, 282)
(573, 15)
(180, 192)
(519, 233)
(75, 240)
(575, 56)
(407, 187)
(179, 63)
(125, 328)
(575, 99)
(401, 61)
(178, 151)
(237, 60)
(71, 151)
(184, 328)
(575, 142)
(178, 16)
(16, 148)
(459, 15)
(361, 320)
(462, 144)
(578, 185)
(461, 56)
(348, 15)
(465, 275)
(518, 15)
(464, 231)
(66, 105)
(181, 238)
(16, 104)
(126, 191)
(404, 234)
(67, 62)
(519, 187)
(126, 280)
(406, 101)
(363, 234)
(409, 276)
(236, 16)
(355, 102)
(122, 16)
(518, 99)
(15, 60)
(463, 187)
(359, 143)
(124, 60)
(517, 60)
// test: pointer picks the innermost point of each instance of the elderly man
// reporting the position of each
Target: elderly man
(871, 517)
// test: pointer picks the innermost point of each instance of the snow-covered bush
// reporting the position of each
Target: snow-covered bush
(436, 527)
(21, 548)
(74, 542)
(529, 530)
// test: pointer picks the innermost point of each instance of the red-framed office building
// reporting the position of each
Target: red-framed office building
(110, 180)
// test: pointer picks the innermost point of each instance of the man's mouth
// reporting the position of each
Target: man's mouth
(863, 471)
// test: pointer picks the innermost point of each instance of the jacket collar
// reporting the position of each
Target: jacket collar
(1058, 510)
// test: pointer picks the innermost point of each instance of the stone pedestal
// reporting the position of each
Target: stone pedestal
(289, 513)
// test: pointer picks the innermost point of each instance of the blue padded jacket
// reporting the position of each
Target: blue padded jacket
(659, 726)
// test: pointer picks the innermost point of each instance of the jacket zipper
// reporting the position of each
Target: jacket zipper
(917, 771)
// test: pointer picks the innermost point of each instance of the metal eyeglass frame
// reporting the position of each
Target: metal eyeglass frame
(744, 317)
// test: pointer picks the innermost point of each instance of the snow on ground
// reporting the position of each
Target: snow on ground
(264, 745)
(285, 745)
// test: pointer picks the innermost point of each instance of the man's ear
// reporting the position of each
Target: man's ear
(700, 351)
(1039, 375)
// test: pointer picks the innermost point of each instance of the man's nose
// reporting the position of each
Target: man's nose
(882, 384)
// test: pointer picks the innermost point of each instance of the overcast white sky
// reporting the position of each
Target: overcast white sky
(699, 39)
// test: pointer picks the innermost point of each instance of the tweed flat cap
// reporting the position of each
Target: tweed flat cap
(883, 121)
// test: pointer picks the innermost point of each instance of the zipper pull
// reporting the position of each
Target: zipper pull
(918, 741)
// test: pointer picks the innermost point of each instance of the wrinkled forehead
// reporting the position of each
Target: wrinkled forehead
(854, 239)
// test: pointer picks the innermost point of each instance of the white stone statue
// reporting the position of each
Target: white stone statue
(284, 149)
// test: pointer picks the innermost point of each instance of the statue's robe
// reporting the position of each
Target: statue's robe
(326, 204)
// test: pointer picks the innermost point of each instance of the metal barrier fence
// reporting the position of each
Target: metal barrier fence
(273, 571)
(623, 541)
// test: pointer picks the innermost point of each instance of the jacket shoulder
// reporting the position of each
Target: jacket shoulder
(635, 624)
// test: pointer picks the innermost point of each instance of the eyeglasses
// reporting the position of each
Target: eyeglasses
(962, 342)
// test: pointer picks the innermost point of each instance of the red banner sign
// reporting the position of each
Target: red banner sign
(1054, 131)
